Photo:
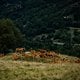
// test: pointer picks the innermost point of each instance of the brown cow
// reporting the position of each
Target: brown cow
(20, 50)
(15, 56)
(42, 55)
(77, 61)
(49, 54)
(1, 54)
(42, 51)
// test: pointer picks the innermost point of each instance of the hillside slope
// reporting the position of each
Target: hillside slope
(25, 70)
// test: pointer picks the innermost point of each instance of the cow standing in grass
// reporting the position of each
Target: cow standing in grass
(1, 54)
(20, 50)
(18, 53)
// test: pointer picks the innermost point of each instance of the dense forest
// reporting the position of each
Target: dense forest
(36, 24)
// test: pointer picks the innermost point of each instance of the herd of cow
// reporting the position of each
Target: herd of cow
(41, 53)
(34, 54)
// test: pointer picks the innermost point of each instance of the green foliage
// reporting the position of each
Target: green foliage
(10, 36)
(37, 17)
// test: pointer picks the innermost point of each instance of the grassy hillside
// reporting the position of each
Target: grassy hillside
(24, 70)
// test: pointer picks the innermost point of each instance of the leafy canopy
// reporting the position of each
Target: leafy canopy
(10, 36)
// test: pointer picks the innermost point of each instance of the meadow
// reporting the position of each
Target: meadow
(34, 70)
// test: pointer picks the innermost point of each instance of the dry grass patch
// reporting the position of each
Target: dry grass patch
(30, 70)
(23, 70)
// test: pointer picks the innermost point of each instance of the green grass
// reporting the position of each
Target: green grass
(25, 70)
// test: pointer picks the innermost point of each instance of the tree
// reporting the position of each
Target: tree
(10, 36)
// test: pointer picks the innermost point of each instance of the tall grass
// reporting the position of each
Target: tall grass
(24, 70)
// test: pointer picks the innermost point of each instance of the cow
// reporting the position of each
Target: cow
(1, 54)
(20, 50)
(15, 56)
(42, 51)
(77, 61)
